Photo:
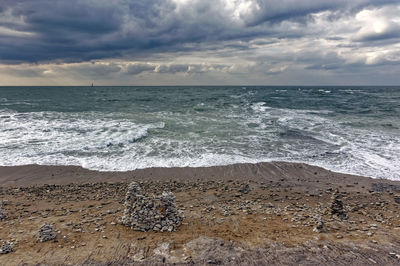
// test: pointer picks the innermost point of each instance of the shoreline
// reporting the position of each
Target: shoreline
(265, 213)
(31, 173)
(256, 162)
(300, 175)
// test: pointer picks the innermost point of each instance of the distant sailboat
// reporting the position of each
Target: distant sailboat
(92, 84)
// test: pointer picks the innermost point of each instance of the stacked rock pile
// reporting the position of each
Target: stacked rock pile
(320, 226)
(397, 199)
(245, 189)
(337, 205)
(2, 215)
(6, 247)
(144, 213)
(46, 233)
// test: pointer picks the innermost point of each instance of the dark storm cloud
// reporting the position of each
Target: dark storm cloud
(58, 31)
(387, 35)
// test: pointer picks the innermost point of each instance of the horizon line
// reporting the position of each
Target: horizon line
(239, 85)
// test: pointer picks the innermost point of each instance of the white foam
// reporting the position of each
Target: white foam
(104, 143)
(260, 107)
(54, 138)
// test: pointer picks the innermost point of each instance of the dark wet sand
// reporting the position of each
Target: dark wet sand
(288, 174)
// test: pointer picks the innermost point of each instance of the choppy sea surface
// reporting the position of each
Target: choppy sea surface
(347, 129)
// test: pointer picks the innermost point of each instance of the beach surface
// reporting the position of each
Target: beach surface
(265, 213)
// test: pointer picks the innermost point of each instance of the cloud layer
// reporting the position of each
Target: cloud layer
(199, 41)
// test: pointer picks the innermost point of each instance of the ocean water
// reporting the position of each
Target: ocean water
(347, 129)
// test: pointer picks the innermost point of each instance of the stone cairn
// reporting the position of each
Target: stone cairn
(46, 233)
(6, 247)
(337, 205)
(2, 214)
(143, 213)
(320, 227)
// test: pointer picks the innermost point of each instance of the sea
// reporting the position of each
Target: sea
(346, 129)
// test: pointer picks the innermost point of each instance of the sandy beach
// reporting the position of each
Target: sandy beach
(265, 213)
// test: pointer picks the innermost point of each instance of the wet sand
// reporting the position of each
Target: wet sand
(265, 213)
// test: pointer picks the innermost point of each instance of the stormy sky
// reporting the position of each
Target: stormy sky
(199, 42)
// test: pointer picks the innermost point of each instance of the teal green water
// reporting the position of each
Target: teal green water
(347, 129)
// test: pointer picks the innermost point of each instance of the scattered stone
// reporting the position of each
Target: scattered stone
(6, 247)
(46, 233)
(143, 213)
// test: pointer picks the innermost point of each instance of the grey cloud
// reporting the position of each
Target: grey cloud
(135, 69)
(289, 9)
(29, 71)
(75, 31)
(259, 36)
(92, 70)
(190, 68)
(173, 68)
(100, 69)
(391, 33)
(324, 66)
